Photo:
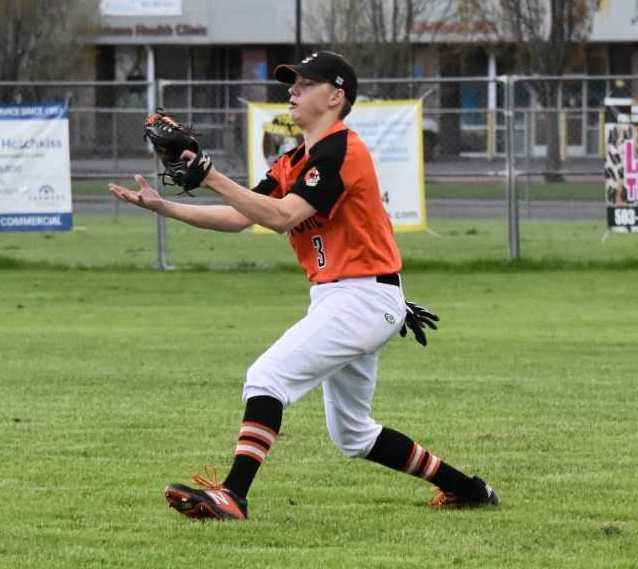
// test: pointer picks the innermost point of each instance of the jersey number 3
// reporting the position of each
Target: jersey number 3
(317, 243)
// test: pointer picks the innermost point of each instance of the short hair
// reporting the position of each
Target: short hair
(345, 109)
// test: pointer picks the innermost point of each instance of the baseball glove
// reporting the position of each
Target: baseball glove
(417, 318)
(170, 139)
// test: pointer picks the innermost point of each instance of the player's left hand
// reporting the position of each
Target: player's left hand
(417, 318)
(198, 167)
(171, 142)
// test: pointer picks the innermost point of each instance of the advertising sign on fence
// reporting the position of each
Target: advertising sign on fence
(392, 131)
(141, 7)
(621, 164)
(35, 168)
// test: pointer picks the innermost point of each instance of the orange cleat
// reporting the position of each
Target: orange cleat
(484, 496)
(213, 501)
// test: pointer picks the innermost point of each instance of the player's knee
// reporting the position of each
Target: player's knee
(260, 382)
(354, 443)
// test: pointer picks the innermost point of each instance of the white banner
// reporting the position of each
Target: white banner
(35, 168)
(392, 131)
(141, 7)
(615, 21)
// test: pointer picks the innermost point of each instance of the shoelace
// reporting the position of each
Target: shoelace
(209, 479)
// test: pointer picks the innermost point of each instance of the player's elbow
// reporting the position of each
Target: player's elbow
(282, 226)
(239, 227)
(237, 222)
(283, 222)
(290, 212)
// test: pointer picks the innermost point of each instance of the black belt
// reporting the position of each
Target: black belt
(391, 279)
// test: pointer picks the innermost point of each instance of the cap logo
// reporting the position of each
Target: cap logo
(309, 58)
(312, 177)
(339, 80)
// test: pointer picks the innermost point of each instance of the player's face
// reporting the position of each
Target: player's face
(310, 100)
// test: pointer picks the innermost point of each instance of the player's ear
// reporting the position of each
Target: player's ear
(337, 97)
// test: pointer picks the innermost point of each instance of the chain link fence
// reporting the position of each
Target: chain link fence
(512, 164)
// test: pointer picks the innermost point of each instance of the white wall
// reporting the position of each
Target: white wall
(616, 21)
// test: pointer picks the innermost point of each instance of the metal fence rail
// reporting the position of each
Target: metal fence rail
(509, 130)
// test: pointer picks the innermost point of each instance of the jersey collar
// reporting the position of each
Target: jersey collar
(336, 127)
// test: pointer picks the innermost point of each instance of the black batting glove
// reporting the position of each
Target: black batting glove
(417, 318)
(195, 172)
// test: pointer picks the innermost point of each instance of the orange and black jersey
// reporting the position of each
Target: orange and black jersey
(350, 235)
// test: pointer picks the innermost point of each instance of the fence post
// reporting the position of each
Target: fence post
(160, 220)
(114, 141)
(601, 134)
(513, 237)
(562, 135)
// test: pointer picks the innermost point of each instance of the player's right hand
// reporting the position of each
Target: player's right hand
(146, 197)
(416, 319)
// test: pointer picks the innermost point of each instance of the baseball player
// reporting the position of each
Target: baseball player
(325, 195)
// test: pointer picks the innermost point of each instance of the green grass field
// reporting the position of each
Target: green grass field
(569, 191)
(116, 382)
(457, 244)
(590, 191)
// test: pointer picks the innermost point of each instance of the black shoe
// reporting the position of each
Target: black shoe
(484, 495)
(213, 501)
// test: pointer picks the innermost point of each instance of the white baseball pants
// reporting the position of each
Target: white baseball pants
(336, 344)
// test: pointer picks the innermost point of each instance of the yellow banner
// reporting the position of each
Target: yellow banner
(391, 129)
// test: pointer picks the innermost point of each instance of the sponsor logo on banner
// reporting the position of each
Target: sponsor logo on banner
(36, 222)
(29, 144)
(45, 193)
(279, 134)
(631, 171)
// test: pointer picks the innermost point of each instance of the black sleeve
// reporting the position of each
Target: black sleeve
(320, 182)
(266, 186)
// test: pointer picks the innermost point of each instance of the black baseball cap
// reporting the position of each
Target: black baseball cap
(322, 66)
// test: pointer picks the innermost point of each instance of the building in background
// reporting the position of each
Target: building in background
(245, 39)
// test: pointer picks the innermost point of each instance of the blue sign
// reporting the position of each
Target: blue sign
(35, 168)
(36, 222)
(33, 112)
